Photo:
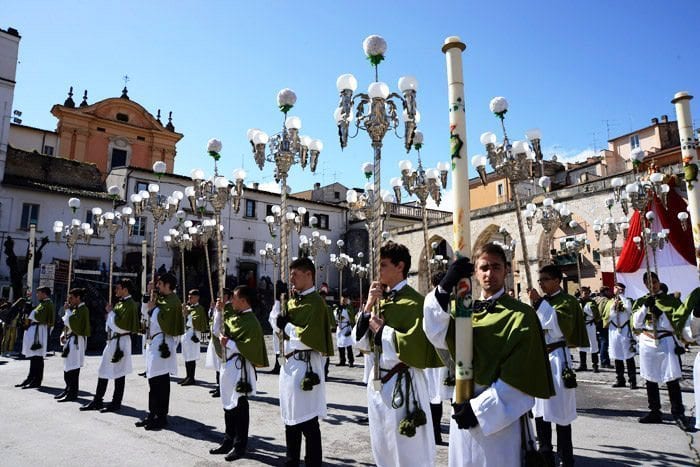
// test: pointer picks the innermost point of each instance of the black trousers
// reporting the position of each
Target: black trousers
(631, 371)
(36, 370)
(159, 395)
(118, 390)
(72, 379)
(565, 447)
(237, 422)
(351, 356)
(312, 434)
(674, 394)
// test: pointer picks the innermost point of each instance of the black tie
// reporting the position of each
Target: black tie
(390, 296)
(479, 306)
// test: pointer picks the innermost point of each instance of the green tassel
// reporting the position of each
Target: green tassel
(375, 59)
(407, 427)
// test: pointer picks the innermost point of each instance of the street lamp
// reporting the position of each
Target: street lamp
(285, 149)
(515, 161)
(423, 184)
(651, 239)
(112, 222)
(340, 261)
(201, 234)
(359, 270)
(574, 247)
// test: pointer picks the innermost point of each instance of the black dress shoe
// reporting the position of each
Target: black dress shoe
(683, 423)
(142, 374)
(61, 394)
(68, 398)
(158, 423)
(216, 393)
(111, 408)
(23, 383)
(652, 417)
(32, 386)
(187, 382)
(619, 384)
(234, 455)
(144, 421)
(92, 405)
(224, 448)
(212, 391)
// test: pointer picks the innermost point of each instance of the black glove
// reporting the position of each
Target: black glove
(654, 310)
(281, 289)
(362, 326)
(282, 321)
(462, 268)
(650, 303)
(696, 310)
(464, 415)
(146, 298)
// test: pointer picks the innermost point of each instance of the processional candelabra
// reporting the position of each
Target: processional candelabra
(112, 222)
(574, 247)
(423, 184)
(201, 234)
(179, 238)
(508, 244)
(71, 234)
(611, 229)
(381, 117)
(214, 194)
(275, 221)
(340, 261)
(516, 161)
(438, 263)
(311, 247)
(359, 270)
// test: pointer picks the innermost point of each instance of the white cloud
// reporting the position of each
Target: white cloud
(446, 203)
(568, 155)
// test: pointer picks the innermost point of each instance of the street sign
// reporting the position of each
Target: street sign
(47, 274)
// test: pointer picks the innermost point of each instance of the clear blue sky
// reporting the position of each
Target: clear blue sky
(565, 67)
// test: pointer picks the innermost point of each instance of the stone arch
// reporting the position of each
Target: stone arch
(423, 278)
(488, 234)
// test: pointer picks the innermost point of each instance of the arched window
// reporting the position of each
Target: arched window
(118, 152)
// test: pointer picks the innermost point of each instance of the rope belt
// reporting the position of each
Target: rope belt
(295, 352)
(156, 335)
(398, 368)
(659, 334)
(237, 354)
(117, 336)
(626, 323)
(555, 345)
(590, 322)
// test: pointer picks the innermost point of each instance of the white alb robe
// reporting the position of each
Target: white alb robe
(495, 441)
(658, 361)
(389, 447)
(620, 337)
(560, 408)
(123, 367)
(272, 319)
(155, 364)
(212, 360)
(191, 351)
(298, 406)
(76, 344)
(691, 333)
(343, 327)
(31, 333)
(590, 329)
(232, 373)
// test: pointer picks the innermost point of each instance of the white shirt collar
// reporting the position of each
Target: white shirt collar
(495, 296)
(400, 285)
(308, 291)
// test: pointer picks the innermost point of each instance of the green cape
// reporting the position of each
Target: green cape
(509, 344)
(79, 321)
(45, 312)
(351, 314)
(680, 315)
(310, 315)
(594, 308)
(170, 317)
(664, 302)
(331, 318)
(200, 321)
(245, 329)
(570, 318)
(127, 315)
(405, 315)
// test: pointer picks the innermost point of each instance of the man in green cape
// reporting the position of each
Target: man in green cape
(510, 363)
(652, 320)
(196, 322)
(123, 319)
(563, 323)
(77, 329)
(36, 337)
(400, 431)
(243, 339)
(302, 382)
(166, 323)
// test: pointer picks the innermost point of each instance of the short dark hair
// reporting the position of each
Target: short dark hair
(169, 279)
(226, 291)
(396, 253)
(552, 270)
(490, 248)
(620, 285)
(127, 284)
(652, 274)
(194, 292)
(663, 288)
(436, 278)
(45, 290)
(246, 293)
(306, 265)
(78, 292)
